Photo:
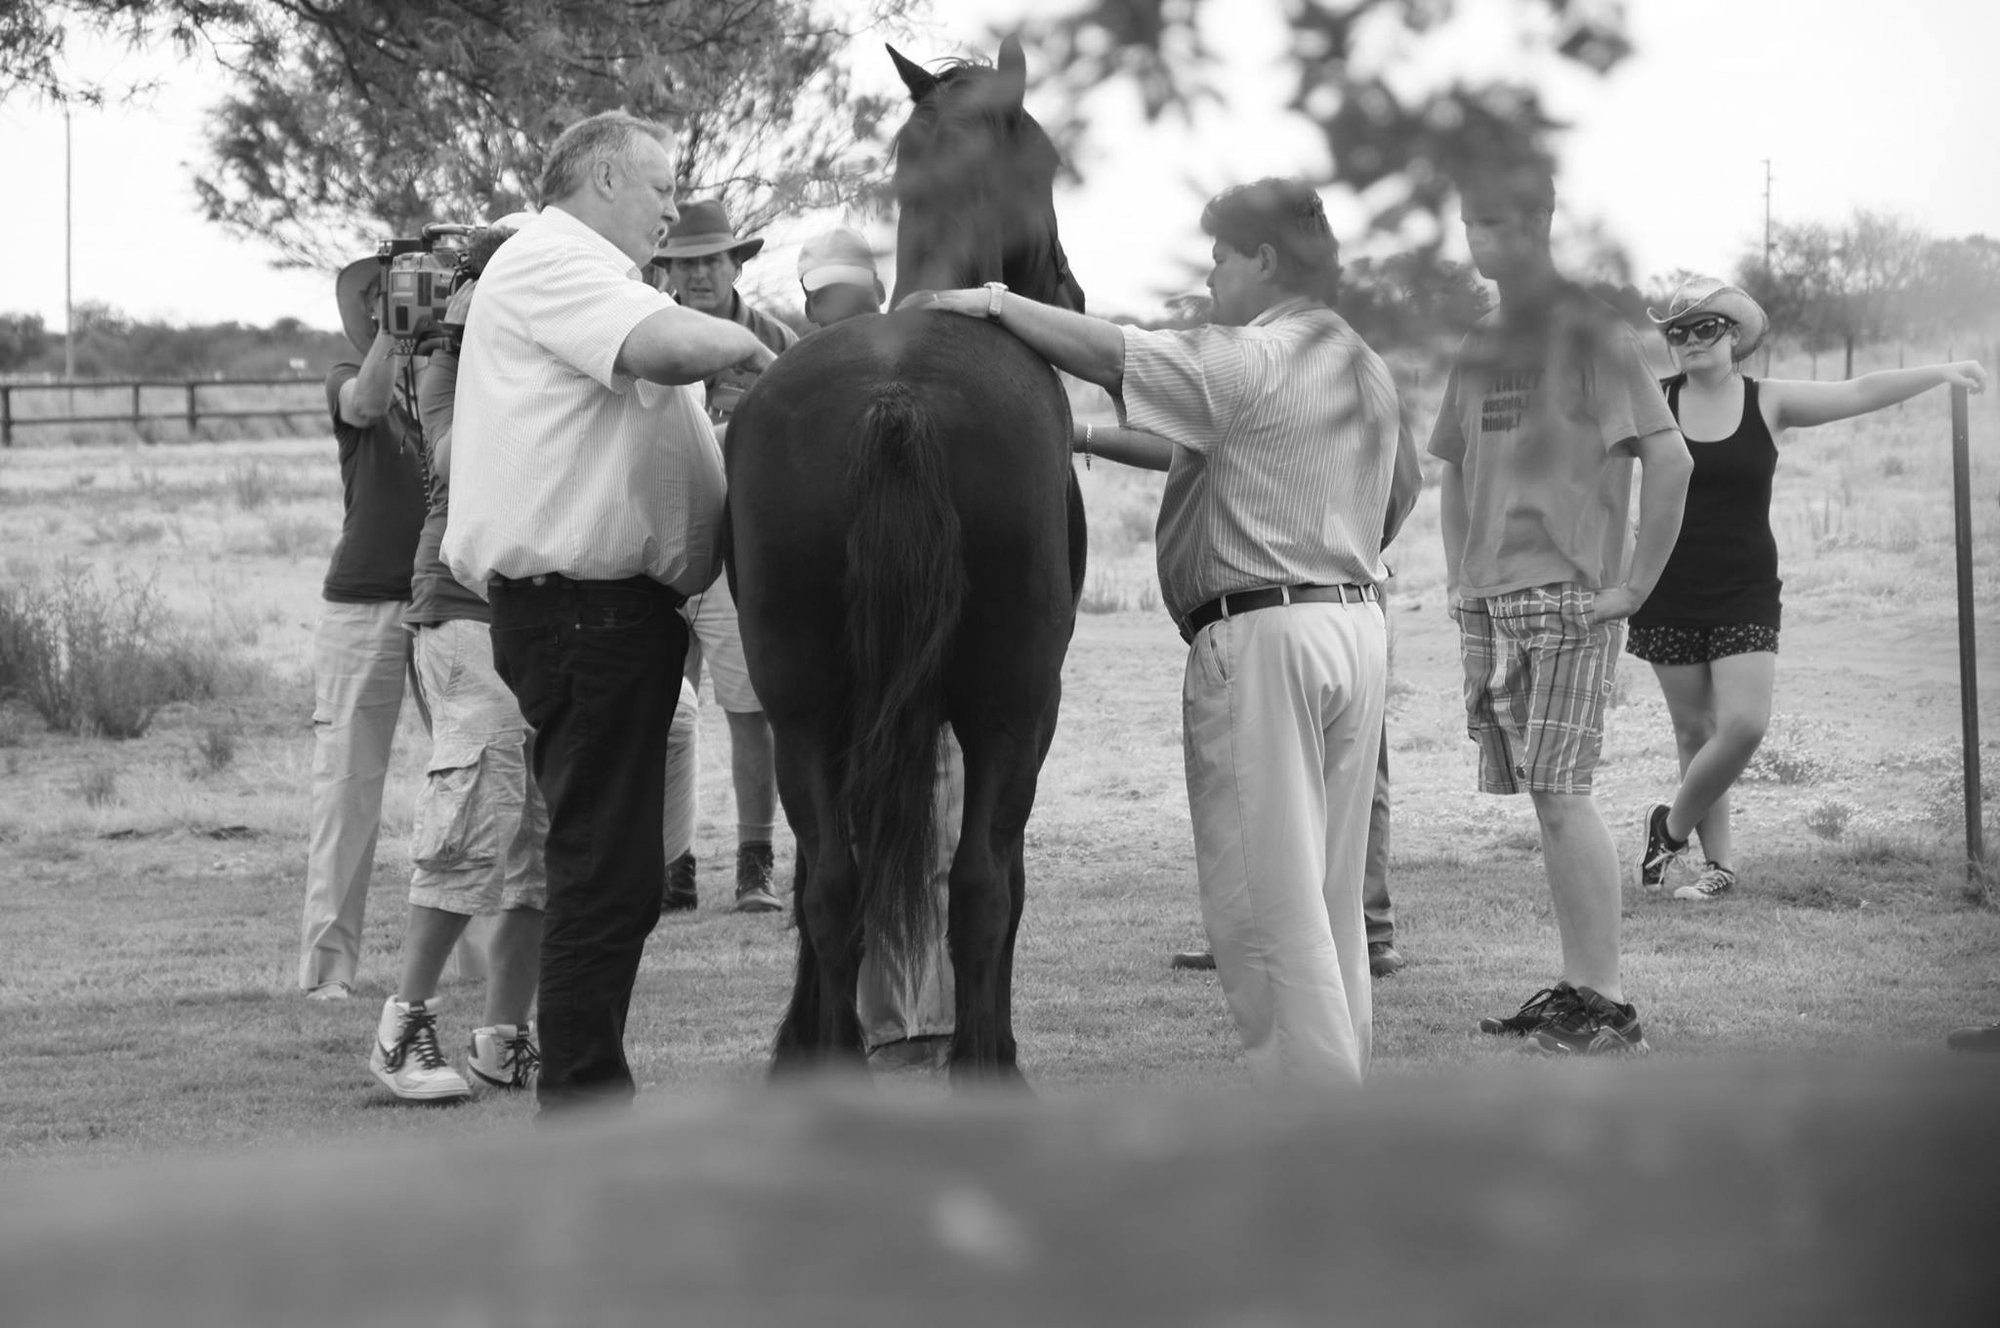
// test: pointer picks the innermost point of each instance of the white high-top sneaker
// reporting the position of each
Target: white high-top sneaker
(504, 1056)
(406, 1057)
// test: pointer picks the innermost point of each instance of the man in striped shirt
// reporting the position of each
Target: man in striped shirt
(1280, 430)
(586, 504)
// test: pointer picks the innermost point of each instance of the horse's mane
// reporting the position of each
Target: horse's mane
(959, 153)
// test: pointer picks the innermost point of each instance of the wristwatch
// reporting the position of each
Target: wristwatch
(994, 290)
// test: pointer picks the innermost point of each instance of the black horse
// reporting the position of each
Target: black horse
(906, 550)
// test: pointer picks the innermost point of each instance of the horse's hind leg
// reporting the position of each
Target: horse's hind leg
(820, 1023)
(1000, 771)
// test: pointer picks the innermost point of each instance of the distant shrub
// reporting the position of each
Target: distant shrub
(101, 660)
(12, 732)
(251, 485)
(1829, 819)
(215, 750)
(1788, 754)
(97, 784)
(291, 536)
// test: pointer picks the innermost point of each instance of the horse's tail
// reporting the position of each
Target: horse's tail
(905, 589)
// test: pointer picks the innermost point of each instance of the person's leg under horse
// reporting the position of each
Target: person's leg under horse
(586, 664)
(1741, 687)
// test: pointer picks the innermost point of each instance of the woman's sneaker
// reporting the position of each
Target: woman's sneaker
(406, 1057)
(1591, 1025)
(1537, 1010)
(504, 1056)
(1662, 849)
(1714, 882)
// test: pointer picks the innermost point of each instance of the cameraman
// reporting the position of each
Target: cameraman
(587, 502)
(361, 653)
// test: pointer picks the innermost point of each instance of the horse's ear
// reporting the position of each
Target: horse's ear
(1013, 73)
(920, 81)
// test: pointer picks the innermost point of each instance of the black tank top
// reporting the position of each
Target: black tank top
(1724, 568)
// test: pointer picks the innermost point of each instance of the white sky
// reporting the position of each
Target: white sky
(1889, 106)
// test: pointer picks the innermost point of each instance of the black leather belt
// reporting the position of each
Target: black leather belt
(1270, 597)
(556, 580)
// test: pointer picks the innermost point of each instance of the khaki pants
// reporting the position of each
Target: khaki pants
(1282, 726)
(361, 659)
(892, 1001)
(677, 826)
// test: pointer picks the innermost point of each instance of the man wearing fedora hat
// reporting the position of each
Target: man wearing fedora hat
(361, 650)
(700, 260)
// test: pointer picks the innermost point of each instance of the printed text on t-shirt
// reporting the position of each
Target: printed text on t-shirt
(1504, 404)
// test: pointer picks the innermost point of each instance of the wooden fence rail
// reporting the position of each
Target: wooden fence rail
(191, 412)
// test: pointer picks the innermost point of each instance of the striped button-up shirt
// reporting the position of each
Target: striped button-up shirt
(560, 463)
(1285, 433)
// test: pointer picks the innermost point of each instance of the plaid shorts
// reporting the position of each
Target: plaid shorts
(1537, 680)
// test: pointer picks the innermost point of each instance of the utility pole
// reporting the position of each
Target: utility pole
(1767, 255)
(69, 307)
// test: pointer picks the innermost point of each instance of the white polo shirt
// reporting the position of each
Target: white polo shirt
(1285, 434)
(559, 463)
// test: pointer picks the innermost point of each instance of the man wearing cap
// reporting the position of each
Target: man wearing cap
(361, 651)
(906, 1018)
(1284, 430)
(699, 261)
(1549, 405)
(587, 502)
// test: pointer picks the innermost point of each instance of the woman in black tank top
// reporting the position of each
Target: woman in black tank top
(1710, 627)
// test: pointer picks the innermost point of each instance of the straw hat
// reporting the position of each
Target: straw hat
(1706, 295)
(704, 228)
(835, 257)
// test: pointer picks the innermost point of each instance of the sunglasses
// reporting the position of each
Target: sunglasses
(1701, 331)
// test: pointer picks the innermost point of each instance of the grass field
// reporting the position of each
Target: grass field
(152, 886)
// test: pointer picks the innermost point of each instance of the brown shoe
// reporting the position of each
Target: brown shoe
(679, 894)
(753, 880)
(1383, 960)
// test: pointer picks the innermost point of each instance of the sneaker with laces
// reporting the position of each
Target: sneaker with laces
(505, 1056)
(1591, 1025)
(406, 1057)
(1662, 849)
(330, 991)
(1714, 882)
(754, 867)
(1537, 1010)
(679, 894)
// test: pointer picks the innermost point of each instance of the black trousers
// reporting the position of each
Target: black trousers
(593, 665)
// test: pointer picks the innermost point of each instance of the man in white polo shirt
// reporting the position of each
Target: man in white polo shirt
(1280, 431)
(586, 502)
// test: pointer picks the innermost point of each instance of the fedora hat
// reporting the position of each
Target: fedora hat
(1706, 295)
(358, 293)
(704, 228)
(835, 257)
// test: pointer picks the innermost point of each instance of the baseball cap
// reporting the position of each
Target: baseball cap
(836, 256)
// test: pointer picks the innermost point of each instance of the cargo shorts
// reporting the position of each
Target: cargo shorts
(480, 823)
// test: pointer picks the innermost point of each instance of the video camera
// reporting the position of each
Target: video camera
(417, 280)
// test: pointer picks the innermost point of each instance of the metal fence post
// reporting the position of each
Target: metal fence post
(6, 414)
(135, 406)
(193, 418)
(1968, 651)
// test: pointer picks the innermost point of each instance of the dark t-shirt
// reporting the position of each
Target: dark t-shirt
(435, 595)
(1723, 571)
(382, 499)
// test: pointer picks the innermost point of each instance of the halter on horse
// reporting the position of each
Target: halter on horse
(907, 550)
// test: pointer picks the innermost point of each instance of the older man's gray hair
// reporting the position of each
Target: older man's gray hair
(608, 135)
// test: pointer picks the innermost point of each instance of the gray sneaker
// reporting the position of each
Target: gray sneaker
(1714, 882)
